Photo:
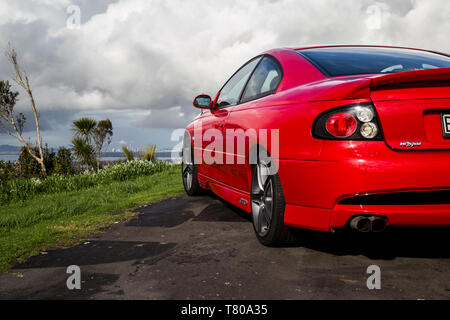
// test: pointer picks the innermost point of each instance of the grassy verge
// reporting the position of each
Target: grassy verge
(63, 219)
(24, 189)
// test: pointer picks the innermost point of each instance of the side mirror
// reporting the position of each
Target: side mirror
(202, 101)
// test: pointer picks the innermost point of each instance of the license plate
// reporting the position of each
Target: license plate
(446, 125)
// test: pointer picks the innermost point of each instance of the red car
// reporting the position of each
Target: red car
(328, 137)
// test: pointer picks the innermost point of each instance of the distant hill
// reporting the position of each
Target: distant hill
(9, 149)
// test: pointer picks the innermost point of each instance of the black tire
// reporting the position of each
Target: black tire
(278, 233)
(193, 188)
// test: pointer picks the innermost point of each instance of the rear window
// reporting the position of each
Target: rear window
(343, 61)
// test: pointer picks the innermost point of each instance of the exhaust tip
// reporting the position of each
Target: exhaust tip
(368, 223)
(378, 224)
(361, 224)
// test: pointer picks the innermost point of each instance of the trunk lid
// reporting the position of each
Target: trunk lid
(414, 108)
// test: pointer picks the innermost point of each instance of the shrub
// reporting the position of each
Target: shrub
(64, 162)
(49, 160)
(29, 167)
(9, 170)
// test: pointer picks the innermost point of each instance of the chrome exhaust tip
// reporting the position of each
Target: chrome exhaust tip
(368, 223)
(378, 224)
(361, 224)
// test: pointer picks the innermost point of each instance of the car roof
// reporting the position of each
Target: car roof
(362, 46)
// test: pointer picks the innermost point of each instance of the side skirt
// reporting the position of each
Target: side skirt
(232, 195)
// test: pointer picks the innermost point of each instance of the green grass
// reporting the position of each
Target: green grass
(64, 219)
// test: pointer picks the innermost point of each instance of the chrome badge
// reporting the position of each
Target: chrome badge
(410, 144)
(243, 201)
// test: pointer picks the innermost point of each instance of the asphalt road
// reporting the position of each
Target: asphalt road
(202, 248)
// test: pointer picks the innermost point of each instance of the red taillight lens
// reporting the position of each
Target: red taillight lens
(341, 125)
(358, 122)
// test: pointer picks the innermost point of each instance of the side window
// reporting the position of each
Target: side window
(264, 81)
(231, 92)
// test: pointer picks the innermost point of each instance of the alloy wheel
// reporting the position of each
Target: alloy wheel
(188, 170)
(262, 199)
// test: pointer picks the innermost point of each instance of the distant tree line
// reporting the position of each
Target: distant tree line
(59, 162)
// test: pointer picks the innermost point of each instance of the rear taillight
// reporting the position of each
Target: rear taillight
(353, 122)
(341, 125)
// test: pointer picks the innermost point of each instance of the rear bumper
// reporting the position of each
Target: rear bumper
(338, 217)
(313, 189)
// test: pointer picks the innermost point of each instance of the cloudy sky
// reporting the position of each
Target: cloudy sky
(141, 62)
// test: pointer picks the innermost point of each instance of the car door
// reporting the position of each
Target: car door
(211, 121)
(244, 118)
(214, 123)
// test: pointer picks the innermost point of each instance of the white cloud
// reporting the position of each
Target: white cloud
(156, 55)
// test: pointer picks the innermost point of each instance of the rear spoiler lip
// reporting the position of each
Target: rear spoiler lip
(437, 74)
(360, 87)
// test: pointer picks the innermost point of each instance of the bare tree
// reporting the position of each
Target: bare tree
(14, 124)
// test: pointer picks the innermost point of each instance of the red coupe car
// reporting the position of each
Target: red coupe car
(328, 137)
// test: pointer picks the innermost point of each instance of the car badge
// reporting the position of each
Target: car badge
(410, 144)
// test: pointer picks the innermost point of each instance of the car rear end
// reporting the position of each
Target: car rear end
(385, 161)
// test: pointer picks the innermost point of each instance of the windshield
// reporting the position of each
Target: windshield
(343, 61)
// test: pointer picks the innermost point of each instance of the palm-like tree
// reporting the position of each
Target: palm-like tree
(148, 153)
(128, 153)
(84, 128)
(102, 133)
(83, 151)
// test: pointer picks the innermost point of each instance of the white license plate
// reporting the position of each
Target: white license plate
(446, 125)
